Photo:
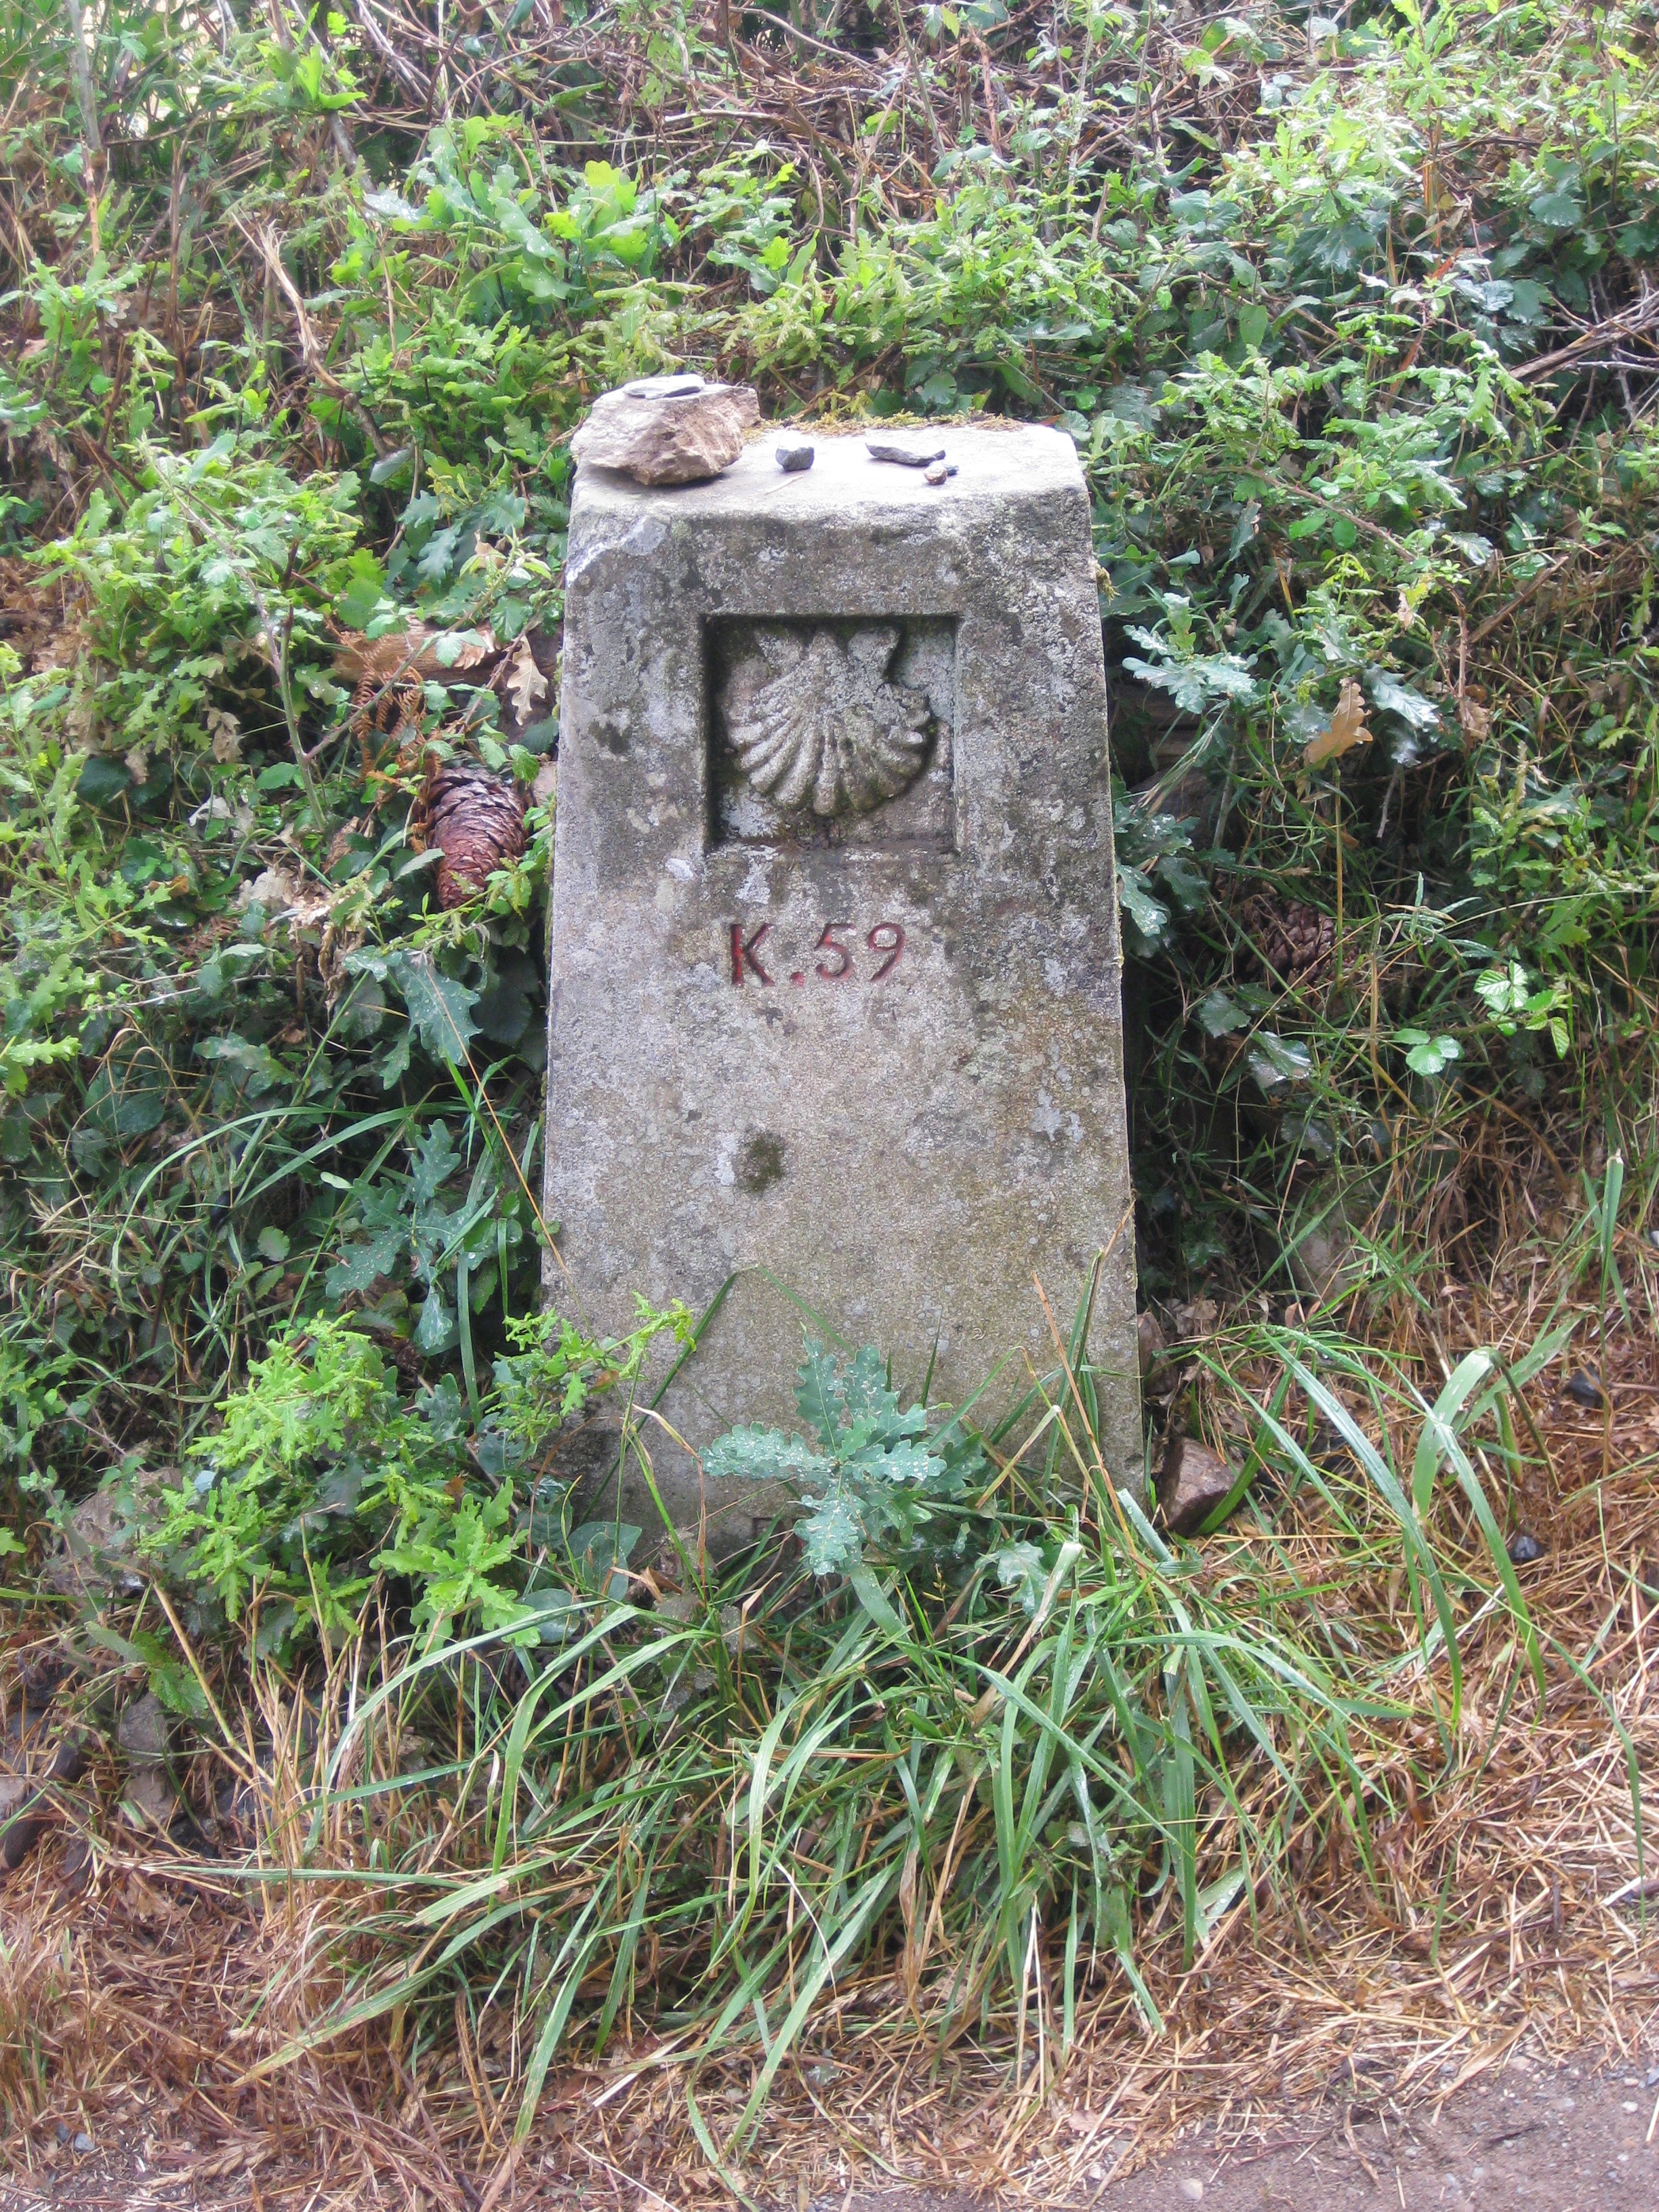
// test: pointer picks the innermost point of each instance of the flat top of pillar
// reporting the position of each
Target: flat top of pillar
(1000, 462)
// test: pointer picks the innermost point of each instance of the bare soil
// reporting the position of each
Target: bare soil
(1579, 2137)
(1574, 2139)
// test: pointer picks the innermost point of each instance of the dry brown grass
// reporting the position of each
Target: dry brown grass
(1503, 1905)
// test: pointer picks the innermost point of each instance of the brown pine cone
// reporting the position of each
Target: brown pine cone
(476, 819)
(1287, 938)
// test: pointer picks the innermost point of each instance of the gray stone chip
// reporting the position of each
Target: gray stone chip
(1193, 1483)
(903, 456)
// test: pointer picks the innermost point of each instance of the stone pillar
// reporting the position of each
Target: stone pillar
(834, 1002)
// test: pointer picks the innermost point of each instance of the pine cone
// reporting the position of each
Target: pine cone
(1288, 939)
(476, 819)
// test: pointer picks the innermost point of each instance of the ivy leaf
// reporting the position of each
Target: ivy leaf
(1149, 917)
(440, 1008)
(1020, 1569)
(1217, 1015)
(1178, 875)
(128, 1096)
(259, 1069)
(1395, 698)
(435, 1160)
(1274, 1061)
(359, 1265)
(1557, 210)
(601, 1551)
(435, 1331)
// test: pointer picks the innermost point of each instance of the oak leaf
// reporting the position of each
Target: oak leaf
(1345, 731)
(526, 683)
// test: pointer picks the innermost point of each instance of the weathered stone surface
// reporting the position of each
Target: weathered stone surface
(805, 1033)
(667, 429)
(148, 1798)
(1193, 1483)
(143, 1734)
(98, 1550)
(143, 1730)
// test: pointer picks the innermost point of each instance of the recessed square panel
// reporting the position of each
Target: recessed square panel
(835, 731)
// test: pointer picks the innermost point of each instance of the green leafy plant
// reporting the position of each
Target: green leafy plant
(208, 591)
(1428, 1055)
(877, 1475)
(320, 1475)
(1513, 1002)
(556, 1371)
(1341, 327)
(459, 1252)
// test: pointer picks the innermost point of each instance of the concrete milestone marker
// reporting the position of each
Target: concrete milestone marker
(835, 950)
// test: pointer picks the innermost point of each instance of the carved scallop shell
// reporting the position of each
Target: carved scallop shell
(815, 722)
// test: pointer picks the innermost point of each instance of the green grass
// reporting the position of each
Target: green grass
(1045, 1749)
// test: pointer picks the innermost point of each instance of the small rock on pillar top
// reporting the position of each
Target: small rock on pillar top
(835, 967)
(667, 429)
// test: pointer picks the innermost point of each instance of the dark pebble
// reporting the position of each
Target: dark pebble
(77, 1869)
(1523, 1548)
(791, 458)
(19, 1835)
(1584, 1386)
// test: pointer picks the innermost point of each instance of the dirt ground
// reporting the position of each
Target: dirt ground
(1581, 2137)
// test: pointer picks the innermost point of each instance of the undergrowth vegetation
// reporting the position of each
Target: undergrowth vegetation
(1351, 320)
